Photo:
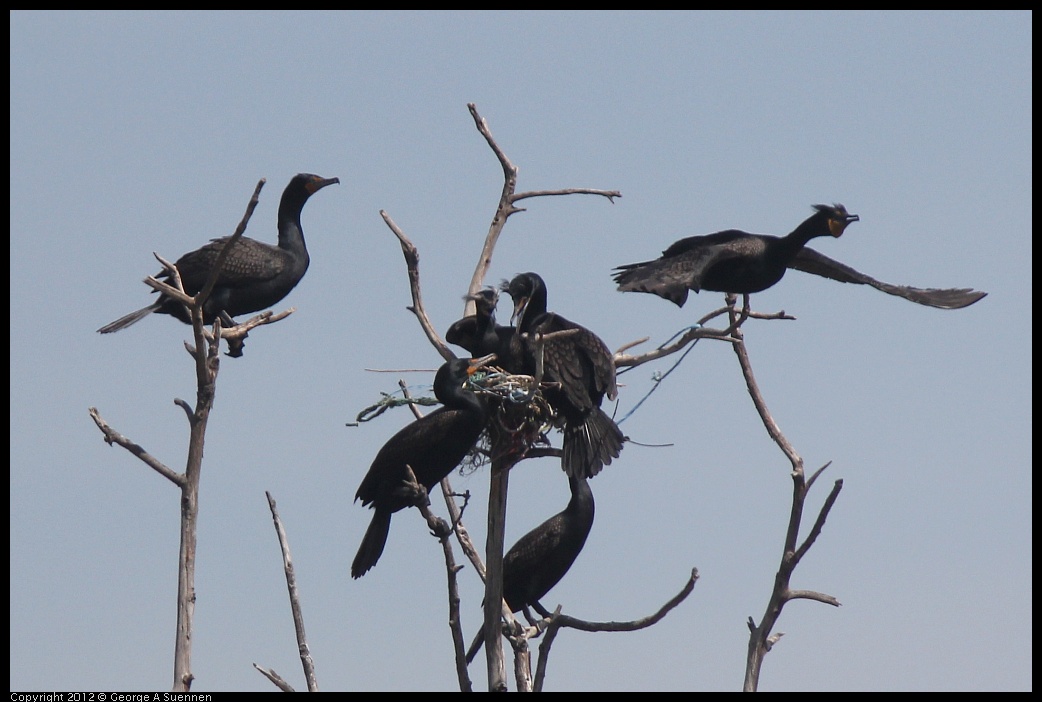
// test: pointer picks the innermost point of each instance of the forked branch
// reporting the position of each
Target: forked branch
(760, 637)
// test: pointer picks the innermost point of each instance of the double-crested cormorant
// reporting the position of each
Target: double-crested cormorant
(255, 275)
(480, 335)
(581, 371)
(432, 446)
(541, 557)
(734, 261)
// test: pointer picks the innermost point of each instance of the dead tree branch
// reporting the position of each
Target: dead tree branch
(412, 264)
(760, 638)
(440, 528)
(205, 353)
(294, 604)
(557, 621)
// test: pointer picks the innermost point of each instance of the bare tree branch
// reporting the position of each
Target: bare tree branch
(207, 363)
(275, 678)
(760, 638)
(557, 621)
(443, 531)
(412, 263)
(112, 436)
(610, 194)
(294, 601)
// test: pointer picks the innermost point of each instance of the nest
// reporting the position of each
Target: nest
(520, 415)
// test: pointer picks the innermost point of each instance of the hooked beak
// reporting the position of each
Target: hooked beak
(837, 226)
(477, 364)
(319, 183)
(519, 311)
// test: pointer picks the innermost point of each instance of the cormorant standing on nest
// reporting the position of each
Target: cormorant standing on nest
(734, 261)
(255, 275)
(581, 371)
(480, 335)
(540, 558)
(432, 446)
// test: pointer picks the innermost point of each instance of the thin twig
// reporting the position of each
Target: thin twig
(112, 436)
(294, 598)
(412, 263)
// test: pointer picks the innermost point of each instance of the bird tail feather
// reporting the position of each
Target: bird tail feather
(590, 446)
(128, 319)
(372, 543)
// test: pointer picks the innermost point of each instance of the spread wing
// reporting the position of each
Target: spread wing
(681, 267)
(810, 261)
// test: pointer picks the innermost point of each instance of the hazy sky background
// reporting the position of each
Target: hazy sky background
(134, 133)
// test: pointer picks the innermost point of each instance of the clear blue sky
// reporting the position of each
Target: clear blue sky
(141, 132)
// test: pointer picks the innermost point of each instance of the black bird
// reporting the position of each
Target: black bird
(255, 275)
(432, 446)
(540, 558)
(480, 335)
(581, 371)
(734, 261)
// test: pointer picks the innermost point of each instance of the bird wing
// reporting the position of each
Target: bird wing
(681, 266)
(810, 261)
(464, 333)
(249, 262)
(581, 362)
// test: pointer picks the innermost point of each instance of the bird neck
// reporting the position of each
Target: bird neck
(461, 399)
(582, 496)
(291, 235)
(448, 388)
(534, 310)
(811, 228)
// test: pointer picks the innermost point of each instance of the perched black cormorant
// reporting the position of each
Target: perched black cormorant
(432, 446)
(480, 335)
(541, 557)
(255, 275)
(734, 261)
(581, 371)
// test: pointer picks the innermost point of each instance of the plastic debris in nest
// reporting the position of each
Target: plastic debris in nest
(520, 414)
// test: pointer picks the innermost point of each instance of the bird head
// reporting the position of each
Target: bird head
(521, 290)
(484, 300)
(313, 183)
(838, 218)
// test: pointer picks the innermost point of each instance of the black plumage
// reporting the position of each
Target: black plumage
(811, 261)
(254, 276)
(542, 557)
(580, 371)
(480, 335)
(734, 261)
(432, 446)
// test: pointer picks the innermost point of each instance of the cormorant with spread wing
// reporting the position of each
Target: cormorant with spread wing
(580, 371)
(254, 276)
(432, 446)
(734, 261)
